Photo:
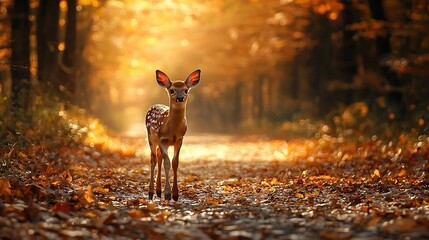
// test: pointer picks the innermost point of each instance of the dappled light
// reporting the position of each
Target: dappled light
(215, 148)
(132, 38)
(226, 147)
(298, 184)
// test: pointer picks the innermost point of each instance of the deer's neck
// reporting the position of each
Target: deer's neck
(177, 113)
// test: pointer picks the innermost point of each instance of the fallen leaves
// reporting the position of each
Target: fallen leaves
(399, 225)
(322, 188)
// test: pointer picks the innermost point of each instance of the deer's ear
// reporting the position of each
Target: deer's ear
(193, 79)
(163, 79)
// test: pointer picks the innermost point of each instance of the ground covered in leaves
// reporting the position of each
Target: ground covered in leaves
(230, 188)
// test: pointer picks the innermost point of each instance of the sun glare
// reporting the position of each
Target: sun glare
(231, 42)
(132, 39)
(228, 148)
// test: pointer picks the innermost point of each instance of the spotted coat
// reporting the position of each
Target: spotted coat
(156, 117)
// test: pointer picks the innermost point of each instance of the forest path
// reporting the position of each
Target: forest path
(230, 188)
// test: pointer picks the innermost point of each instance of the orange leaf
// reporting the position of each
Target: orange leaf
(376, 174)
(61, 207)
(87, 197)
(190, 178)
(151, 206)
(402, 173)
(299, 195)
(137, 214)
(100, 190)
(67, 176)
(162, 216)
(5, 188)
(274, 181)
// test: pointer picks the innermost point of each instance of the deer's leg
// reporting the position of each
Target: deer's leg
(175, 164)
(158, 178)
(152, 170)
(167, 165)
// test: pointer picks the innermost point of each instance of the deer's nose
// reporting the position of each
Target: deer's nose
(180, 99)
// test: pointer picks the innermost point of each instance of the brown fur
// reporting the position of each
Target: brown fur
(166, 127)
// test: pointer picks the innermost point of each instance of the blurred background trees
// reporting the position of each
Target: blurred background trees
(263, 62)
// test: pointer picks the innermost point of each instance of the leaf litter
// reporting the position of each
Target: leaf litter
(230, 188)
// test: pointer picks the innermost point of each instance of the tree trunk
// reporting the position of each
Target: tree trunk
(377, 13)
(69, 58)
(20, 58)
(47, 42)
(259, 99)
(383, 48)
(321, 61)
(237, 105)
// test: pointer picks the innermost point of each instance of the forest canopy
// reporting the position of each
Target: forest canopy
(263, 62)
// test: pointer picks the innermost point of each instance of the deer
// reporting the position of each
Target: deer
(166, 126)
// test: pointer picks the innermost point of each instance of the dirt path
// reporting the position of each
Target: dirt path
(230, 188)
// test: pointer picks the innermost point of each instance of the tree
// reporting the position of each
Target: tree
(61, 38)
(69, 57)
(20, 58)
(47, 42)
(383, 49)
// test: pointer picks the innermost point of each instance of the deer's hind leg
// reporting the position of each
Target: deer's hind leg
(158, 178)
(153, 160)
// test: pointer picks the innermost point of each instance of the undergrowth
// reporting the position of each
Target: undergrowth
(48, 122)
(358, 121)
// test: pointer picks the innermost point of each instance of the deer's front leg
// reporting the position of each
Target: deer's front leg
(175, 162)
(167, 165)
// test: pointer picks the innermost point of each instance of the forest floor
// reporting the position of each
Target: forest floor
(230, 188)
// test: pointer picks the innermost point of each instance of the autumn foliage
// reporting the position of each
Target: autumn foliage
(327, 187)
(311, 121)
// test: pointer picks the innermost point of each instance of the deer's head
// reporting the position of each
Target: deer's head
(178, 90)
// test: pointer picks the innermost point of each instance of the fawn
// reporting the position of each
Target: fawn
(166, 127)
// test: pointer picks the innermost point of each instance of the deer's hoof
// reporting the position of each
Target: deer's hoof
(158, 193)
(175, 197)
(150, 195)
(168, 196)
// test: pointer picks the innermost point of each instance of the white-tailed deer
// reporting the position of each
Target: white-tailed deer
(166, 127)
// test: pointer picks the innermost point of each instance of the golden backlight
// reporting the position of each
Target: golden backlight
(230, 41)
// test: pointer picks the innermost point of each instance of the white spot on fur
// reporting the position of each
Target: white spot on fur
(155, 117)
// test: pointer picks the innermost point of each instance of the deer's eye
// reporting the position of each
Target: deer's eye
(186, 91)
(171, 91)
